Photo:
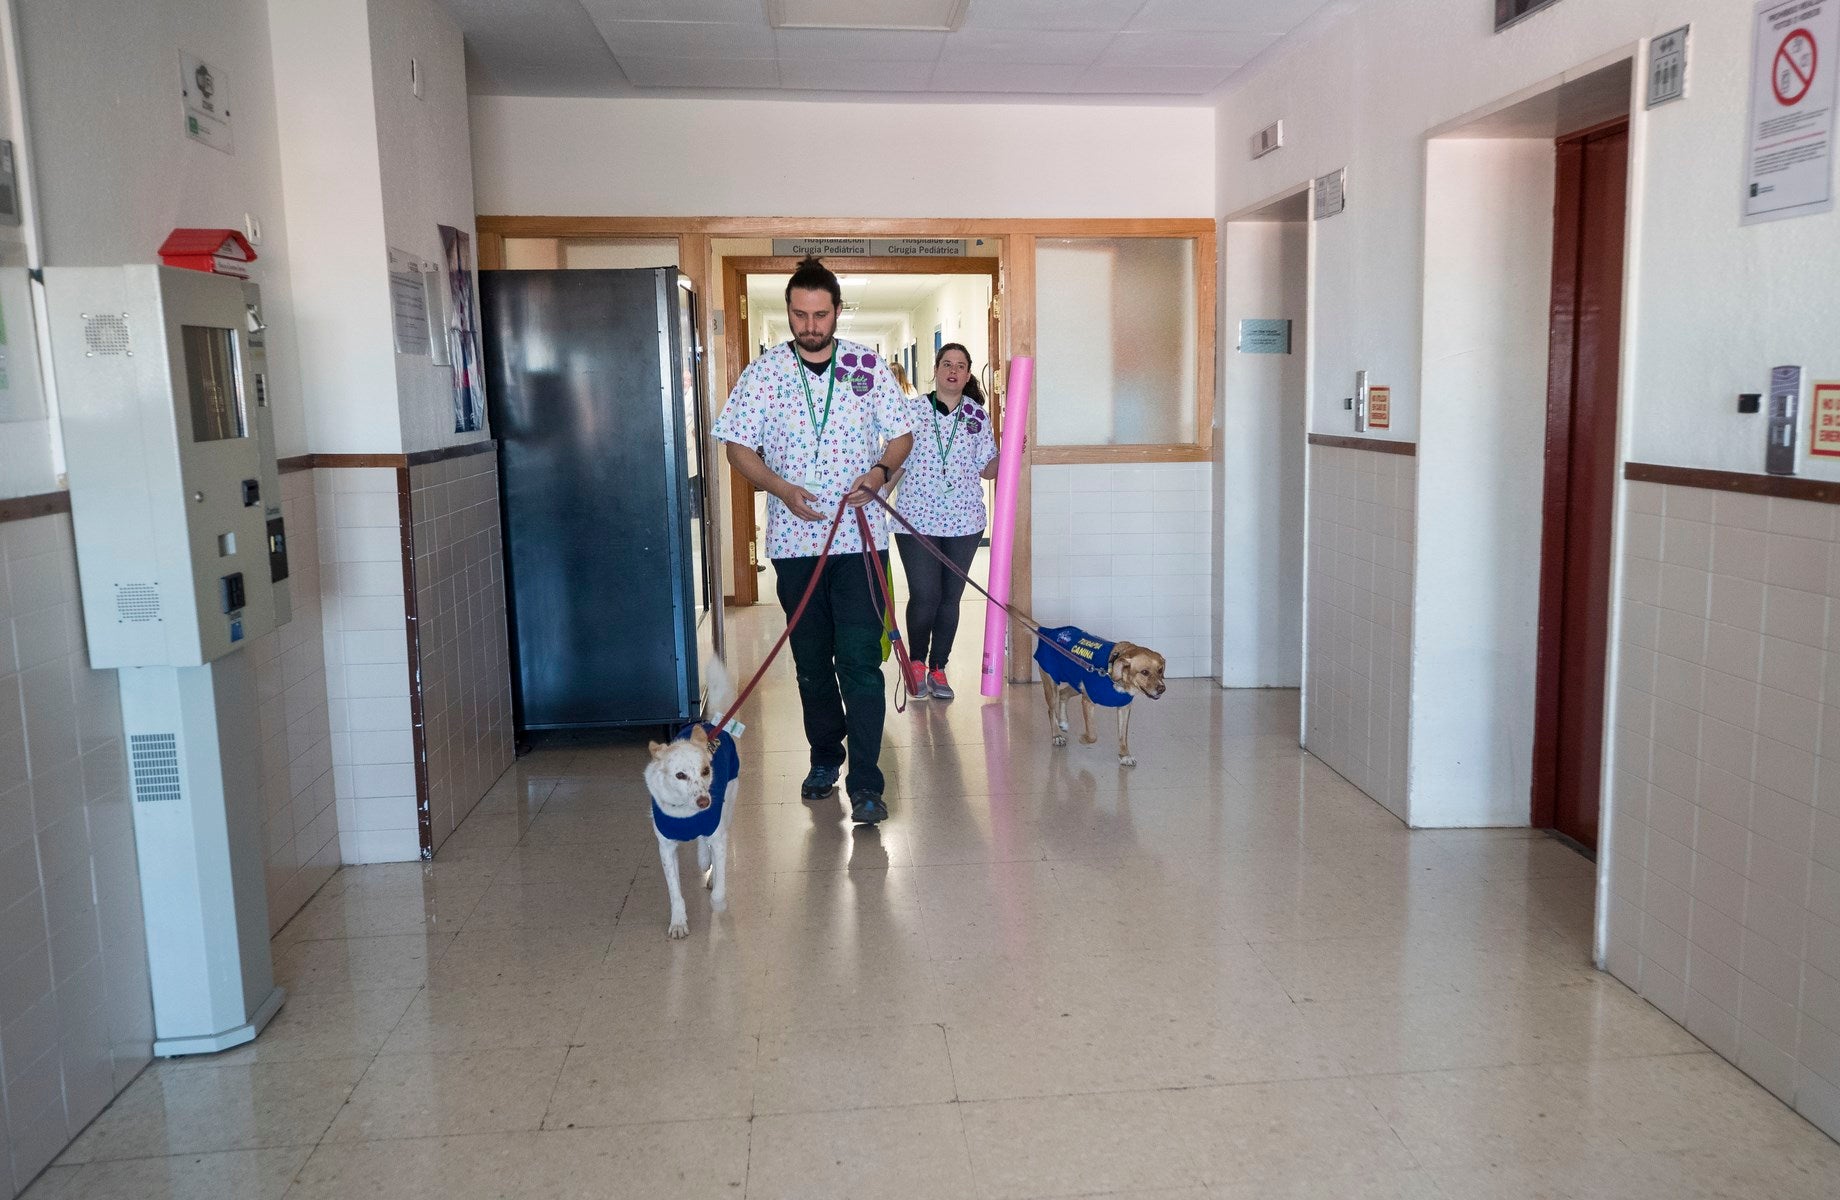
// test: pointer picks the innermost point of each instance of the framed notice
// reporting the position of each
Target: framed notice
(1789, 155)
(1379, 407)
(1824, 424)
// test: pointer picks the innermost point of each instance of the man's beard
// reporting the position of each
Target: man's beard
(814, 342)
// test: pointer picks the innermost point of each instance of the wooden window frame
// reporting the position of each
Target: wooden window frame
(1201, 448)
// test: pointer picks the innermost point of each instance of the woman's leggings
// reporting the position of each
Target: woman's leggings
(933, 594)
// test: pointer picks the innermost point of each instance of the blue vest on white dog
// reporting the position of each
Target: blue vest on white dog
(1096, 680)
(724, 765)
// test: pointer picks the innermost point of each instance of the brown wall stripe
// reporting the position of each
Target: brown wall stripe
(24, 508)
(1784, 487)
(1377, 445)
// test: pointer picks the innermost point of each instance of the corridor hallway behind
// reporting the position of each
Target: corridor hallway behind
(1226, 973)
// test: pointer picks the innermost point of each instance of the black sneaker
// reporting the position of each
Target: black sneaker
(820, 783)
(866, 808)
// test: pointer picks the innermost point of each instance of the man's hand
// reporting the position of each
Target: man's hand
(799, 502)
(864, 489)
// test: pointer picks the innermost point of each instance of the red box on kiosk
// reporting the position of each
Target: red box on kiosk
(215, 251)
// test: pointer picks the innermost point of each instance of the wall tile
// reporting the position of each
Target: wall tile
(1764, 816)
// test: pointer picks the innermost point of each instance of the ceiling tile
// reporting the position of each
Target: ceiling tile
(1004, 47)
(974, 78)
(539, 48)
(862, 45)
(1239, 16)
(1185, 49)
(1147, 79)
(907, 76)
(701, 72)
(687, 39)
(746, 12)
(1107, 15)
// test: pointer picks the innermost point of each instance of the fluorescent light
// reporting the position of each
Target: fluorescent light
(932, 15)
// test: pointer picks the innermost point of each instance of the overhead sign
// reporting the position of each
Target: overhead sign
(1667, 66)
(1330, 196)
(871, 247)
(1379, 407)
(1258, 335)
(1789, 169)
(1824, 434)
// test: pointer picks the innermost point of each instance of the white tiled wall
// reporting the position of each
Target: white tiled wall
(1359, 617)
(1127, 553)
(1723, 831)
(460, 611)
(76, 1021)
(367, 663)
(300, 821)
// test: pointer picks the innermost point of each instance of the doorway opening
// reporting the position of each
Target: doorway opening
(1261, 453)
(903, 309)
(1525, 216)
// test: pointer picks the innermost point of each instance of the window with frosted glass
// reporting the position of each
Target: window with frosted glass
(1115, 353)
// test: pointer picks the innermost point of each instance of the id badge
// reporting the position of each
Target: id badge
(813, 481)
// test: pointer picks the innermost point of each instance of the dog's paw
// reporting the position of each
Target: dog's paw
(1125, 760)
(678, 929)
(1087, 740)
(1060, 739)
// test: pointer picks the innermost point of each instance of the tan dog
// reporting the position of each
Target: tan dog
(1128, 671)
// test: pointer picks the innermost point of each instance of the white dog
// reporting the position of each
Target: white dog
(692, 783)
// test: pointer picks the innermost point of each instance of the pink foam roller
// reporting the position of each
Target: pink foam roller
(1003, 521)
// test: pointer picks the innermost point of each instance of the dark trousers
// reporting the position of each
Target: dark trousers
(933, 594)
(837, 651)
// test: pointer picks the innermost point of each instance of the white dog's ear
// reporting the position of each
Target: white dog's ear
(699, 735)
(657, 749)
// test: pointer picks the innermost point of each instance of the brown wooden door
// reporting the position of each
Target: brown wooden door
(1581, 460)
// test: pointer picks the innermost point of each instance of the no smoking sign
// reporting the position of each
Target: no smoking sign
(1792, 74)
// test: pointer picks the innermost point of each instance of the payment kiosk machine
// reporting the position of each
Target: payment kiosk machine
(182, 556)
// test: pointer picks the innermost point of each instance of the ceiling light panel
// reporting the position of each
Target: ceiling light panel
(935, 15)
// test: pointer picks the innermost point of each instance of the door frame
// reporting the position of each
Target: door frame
(735, 273)
(1555, 524)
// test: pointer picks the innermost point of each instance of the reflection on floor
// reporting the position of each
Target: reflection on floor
(1225, 973)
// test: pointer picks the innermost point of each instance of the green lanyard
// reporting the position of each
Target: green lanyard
(944, 444)
(811, 406)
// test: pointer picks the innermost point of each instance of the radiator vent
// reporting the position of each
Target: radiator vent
(137, 602)
(154, 760)
(106, 333)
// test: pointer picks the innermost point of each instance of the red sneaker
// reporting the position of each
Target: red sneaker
(916, 681)
(937, 686)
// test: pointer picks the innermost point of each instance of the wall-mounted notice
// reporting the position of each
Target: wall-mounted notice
(408, 303)
(1824, 431)
(1262, 335)
(1379, 407)
(1788, 168)
(206, 95)
(1667, 66)
(1330, 193)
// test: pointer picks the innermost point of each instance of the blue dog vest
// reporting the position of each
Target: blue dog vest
(724, 765)
(1096, 680)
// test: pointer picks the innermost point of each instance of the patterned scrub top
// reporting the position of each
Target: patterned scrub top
(768, 411)
(941, 490)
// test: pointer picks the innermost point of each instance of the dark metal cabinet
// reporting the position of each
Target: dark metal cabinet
(594, 380)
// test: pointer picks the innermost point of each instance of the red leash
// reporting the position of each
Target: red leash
(878, 575)
(791, 621)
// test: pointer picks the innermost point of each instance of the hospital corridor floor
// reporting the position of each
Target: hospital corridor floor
(1224, 973)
